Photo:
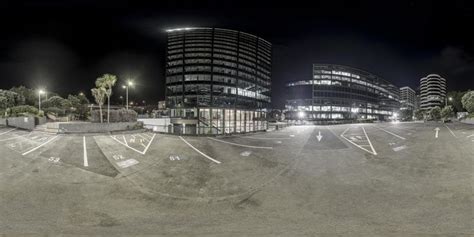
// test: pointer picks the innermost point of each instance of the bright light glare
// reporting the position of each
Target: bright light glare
(179, 29)
(124, 87)
(41, 92)
(301, 114)
(130, 83)
(450, 98)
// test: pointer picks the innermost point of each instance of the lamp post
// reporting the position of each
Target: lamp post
(446, 100)
(40, 92)
(129, 84)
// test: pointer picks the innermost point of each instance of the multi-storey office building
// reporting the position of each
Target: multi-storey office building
(217, 81)
(407, 98)
(432, 91)
(341, 94)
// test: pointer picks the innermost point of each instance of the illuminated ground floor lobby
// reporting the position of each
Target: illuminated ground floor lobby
(213, 121)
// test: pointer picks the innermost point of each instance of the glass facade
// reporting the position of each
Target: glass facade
(340, 93)
(220, 78)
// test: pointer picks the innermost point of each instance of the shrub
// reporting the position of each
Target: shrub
(55, 111)
(23, 110)
(121, 115)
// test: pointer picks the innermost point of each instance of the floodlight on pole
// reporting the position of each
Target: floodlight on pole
(40, 92)
(129, 84)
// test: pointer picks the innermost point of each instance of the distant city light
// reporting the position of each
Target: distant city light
(301, 114)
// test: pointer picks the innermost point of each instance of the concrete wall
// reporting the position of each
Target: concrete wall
(3, 122)
(22, 122)
(157, 124)
(40, 120)
(468, 121)
(97, 127)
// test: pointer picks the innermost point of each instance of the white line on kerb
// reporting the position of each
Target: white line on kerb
(86, 162)
(198, 151)
(451, 131)
(7, 131)
(471, 135)
(36, 148)
(242, 145)
(391, 133)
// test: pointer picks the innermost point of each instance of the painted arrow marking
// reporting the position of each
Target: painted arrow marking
(437, 131)
(319, 136)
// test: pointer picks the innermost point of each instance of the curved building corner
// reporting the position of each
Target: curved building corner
(218, 81)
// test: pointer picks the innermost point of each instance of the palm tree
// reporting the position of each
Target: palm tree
(107, 81)
(99, 95)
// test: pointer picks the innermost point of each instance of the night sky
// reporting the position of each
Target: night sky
(65, 45)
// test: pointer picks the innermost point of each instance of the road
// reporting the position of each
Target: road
(382, 179)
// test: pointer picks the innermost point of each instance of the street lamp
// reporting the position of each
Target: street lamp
(40, 92)
(450, 99)
(129, 84)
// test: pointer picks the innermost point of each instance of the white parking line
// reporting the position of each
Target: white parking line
(125, 140)
(198, 151)
(391, 133)
(148, 146)
(370, 143)
(36, 148)
(451, 131)
(471, 135)
(7, 131)
(16, 136)
(359, 146)
(126, 144)
(86, 162)
(241, 145)
(266, 138)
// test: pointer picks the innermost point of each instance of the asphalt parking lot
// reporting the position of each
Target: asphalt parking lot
(383, 179)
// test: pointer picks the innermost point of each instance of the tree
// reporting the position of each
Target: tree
(456, 101)
(406, 115)
(447, 112)
(435, 113)
(468, 101)
(99, 95)
(29, 95)
(54, 101)
(79, 105)
(9, 99)
(107, 81)
(419, 115)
